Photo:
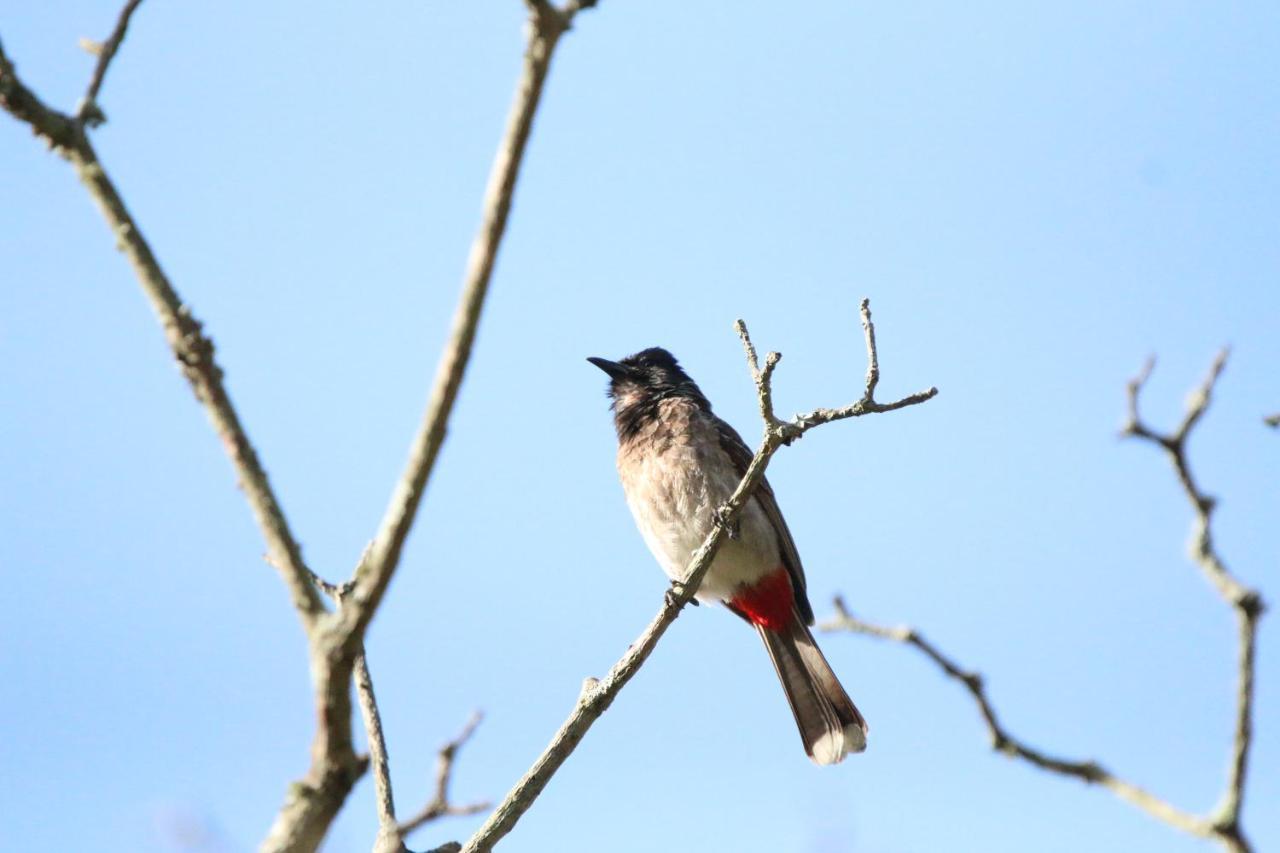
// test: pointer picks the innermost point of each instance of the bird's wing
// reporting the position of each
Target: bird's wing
(741, 456)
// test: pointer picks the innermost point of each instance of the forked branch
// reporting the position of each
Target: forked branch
(788, 431)
(1223, 824)
(1246, 602)
(342, 642)
(391, 833)
(335, 639)
(87, 111)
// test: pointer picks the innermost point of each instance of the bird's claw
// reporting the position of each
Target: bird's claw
(674, 592)
(721, 518)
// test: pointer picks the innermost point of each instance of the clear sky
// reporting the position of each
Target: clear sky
(1034, 196)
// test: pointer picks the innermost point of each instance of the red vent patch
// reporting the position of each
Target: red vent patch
(769, 603)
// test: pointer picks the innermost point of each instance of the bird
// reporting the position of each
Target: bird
(679, 463)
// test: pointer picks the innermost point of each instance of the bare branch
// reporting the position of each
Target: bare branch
(762, 378)
(1198, 400)
(338, 647)
(87, 111)
(58, 130)
(1174, 445)
(374, 573)
(1223, 823)
(439, 806)
(789, 431)
(313, 802)
(1004, 742)
(336, 642)
(193, 350)
(598, 695)
(1246, 602)
(388, 840)
(335, 591)
(1134, 424)
(873, 360)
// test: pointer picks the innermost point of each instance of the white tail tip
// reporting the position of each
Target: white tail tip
(832, 747)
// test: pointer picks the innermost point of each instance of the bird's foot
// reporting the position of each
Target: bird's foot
(674, 592)
(721, 518)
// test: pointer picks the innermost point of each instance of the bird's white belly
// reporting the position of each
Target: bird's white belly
(673, 496)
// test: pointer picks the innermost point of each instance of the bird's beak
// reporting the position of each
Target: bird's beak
(616, 371)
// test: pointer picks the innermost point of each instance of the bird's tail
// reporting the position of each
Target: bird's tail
(829, 722)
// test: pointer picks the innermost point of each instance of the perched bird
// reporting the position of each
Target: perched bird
(679, 463)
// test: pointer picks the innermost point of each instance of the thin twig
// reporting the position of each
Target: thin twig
(763, 379)
(87, 111)
(1005, 742)
(597, 695)
(1246, 602)
(873, 361)
(439, 806)
(391, 834)
(789, 431)
(388, 840)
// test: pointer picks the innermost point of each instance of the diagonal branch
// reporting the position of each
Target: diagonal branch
(193, 349)
(546, 24)
(598, 695)
(87, 111)
(1223, 824)
(57, 130)
(340, 644)
(314, 801)
(1003, 741)
(388, 840)
(336, 641)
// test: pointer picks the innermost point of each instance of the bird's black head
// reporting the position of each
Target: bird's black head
(638, 383)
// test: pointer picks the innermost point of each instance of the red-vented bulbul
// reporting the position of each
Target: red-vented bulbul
(679, 463)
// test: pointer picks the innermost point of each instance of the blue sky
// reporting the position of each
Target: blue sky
(1034, 197)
